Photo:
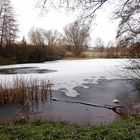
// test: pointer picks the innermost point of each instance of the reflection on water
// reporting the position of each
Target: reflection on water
(102, 93)
(9, 112)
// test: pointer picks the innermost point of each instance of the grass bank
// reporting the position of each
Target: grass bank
(124, 129)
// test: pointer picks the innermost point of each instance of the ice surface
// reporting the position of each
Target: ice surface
(72, 73)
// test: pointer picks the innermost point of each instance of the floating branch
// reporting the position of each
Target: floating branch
(113, 108)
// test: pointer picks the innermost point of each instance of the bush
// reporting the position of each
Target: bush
(6, 61)
(23, 53)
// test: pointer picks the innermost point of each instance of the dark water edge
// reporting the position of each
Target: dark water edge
(102, 93)
(25, 70)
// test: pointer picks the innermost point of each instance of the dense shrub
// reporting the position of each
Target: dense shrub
(23, 53)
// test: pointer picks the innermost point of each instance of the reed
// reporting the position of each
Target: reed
(25, 92)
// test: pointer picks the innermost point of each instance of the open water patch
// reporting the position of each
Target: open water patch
(25, 70)
(101, 93)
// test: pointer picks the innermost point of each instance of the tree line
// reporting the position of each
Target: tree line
(43, 44)
(51, 45)
(46, 45)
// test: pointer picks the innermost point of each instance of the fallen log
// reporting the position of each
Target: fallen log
(111, 107)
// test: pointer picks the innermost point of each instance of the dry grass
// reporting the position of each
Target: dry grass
(25, 92)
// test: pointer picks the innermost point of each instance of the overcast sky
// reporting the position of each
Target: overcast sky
(28, 16)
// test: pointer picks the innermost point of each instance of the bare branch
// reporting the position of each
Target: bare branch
(76, 36)
(129, 15)
(87, 8)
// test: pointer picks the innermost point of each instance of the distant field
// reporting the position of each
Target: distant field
(93, 54)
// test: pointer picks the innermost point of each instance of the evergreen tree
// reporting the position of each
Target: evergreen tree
(8, 26)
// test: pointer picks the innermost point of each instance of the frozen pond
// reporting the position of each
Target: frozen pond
(96, 81)
(67, 74)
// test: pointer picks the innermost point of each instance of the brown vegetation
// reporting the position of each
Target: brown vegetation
(25, 92)
(76, 38)
(26, 53)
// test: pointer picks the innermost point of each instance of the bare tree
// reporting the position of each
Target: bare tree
(129, 27)
(128, 12)
(129, 34)
(8, 26)
(51, 37)
(40, 37)
(87, 8)
(36, 36)
(76, 36)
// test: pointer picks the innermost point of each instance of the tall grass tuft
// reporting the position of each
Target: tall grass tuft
(25, 92)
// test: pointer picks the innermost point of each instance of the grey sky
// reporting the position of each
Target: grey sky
(28, 17)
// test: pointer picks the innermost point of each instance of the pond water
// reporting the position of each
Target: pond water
(97, 81)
